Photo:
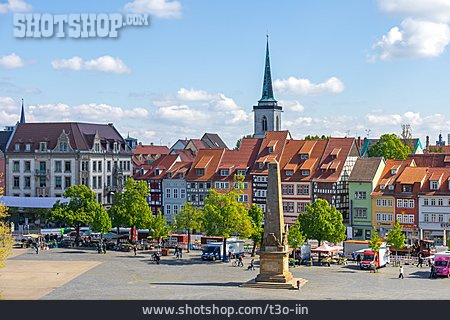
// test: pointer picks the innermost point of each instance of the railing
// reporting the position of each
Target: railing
(43, 172)
(42, 191)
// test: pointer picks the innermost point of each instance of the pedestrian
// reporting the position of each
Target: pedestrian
(433, 271)
(353, 256)
(37, 248)
(252, 265)
(358, 259)
(176, 252)
(135, 249)
(104, 247)
(401, 272)
(180, 252)
(420, 261)
(240, 262)
(230, 255)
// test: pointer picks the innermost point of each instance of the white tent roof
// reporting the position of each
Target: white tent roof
(325, 248)
(31, 202)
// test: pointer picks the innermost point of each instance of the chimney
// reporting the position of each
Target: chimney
(427, 143)
(151, 143)
(359, 142)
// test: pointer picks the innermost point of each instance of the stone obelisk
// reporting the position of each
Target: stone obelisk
(274, 253)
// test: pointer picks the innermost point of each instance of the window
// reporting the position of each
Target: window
(406, 188)
(242, 172)
(304, 156)
(288, 189)
(441, 218)
(434, 185)
(27, 166)
(243, 198)
(58, 183)
(289, 172)
(360, 195)
(27, 182)
(99, 198)
(288, 206)
(97, 147)
(42, 182)
(411, 203)
(94, 182)
(94, 166)
(108, 166)
(175, 195)
(301, 206)
(270, 149)
(433, 202)
(175, 208)
(224, 172)
(426, 217)
(200, 185)
(224, 185)
(425, 202)
(16, 166)
(261, 165)
(67, 182)
(43, 146)
(108, 181)
(17, 147)
(63, 146)
(67, 166)
(16, 183)
(99, 182)
(305, 173)
(182, 193)
(84, 165)
(57, 166)
(168, 193)
(264, 123)
(360, 213)
(399, 218)
(28, 147)
(440, 202)
(199, 172)
(384, 217)
(201, 197)
(411, 218)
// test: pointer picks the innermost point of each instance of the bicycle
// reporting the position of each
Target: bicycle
(237, 263)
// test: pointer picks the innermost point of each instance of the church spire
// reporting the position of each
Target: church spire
(267, 91)
(22, 114)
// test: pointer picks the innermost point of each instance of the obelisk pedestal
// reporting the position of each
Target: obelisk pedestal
(274, 254)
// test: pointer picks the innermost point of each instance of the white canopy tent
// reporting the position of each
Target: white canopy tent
(31, 202)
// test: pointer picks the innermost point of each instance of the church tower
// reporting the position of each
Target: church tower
(22, 114)
(267, 114)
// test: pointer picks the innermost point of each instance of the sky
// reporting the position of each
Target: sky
(340, 68)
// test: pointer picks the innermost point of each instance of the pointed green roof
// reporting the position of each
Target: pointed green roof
(267, 91)
(22, 114)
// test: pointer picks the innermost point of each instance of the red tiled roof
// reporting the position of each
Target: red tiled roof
(308, 164)
(290, 166)
(163, 163)
(203, 163)
(263, 154)
(434, 160)
(213, 157)
(150, 150)
(387, 178)
(272, 143)
(444, 174)
(411, 175)
(307, 147)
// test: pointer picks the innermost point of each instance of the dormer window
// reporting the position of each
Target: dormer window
(289, 172)
(383, 186)
(261, 165)
(115, 147)
(28, 147)
(304, 156)
(270, 149)
(199, 172)
(63, 146)
(394, 171)
(224, 172)
(242, 172)
(406, 188)
(17, 147)
(43, 146)
(391, 187)
(434, 185)
(97, 147)
(305, 173)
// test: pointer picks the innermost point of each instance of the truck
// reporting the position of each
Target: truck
(442, 264)
(214, 250)
(375, 259)
(351, 246)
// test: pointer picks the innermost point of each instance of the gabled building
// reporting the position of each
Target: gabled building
(406, 192)
(432, 160)
(361, 183)
(144, 155)
(272, 147)
(383, 197)
(201, 175)
(330, 181)
(44, 159)
(237, 162)
(434, 205)
(174, 194)
(299, 162)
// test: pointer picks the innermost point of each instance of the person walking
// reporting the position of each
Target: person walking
(420, 261)
(401, 272)
(180, 252)
(433, 271)
(353, 256)
(358, 259)
(240, 262)
(252, 265)
(135, 249)
(176, 251)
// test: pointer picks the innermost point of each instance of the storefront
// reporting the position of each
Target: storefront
(439, 232)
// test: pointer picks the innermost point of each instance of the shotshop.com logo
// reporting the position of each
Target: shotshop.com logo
(84, 25)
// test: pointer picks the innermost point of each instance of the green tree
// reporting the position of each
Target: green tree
(316, 137)
(375, 244)
(130, 208)
(6, 240)
(80, 210)
(189, 219)
(448, 243)
(224, 216)
(389, 146)
(101, 222)
(158, 228)
(295, 236)
(396, 238)
(257, 217)
(322, 222)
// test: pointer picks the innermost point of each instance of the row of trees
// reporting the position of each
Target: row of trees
(6, 240)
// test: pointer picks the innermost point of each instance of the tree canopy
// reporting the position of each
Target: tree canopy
(375, 241)
(257, 217)
(189, 219)
(389, 146)
(101, 222)
(295, 235)
(80, 210)
(158, 228)
(130, 208)
(396, 237)
(322, 222)
(6, 240)
(316, 137)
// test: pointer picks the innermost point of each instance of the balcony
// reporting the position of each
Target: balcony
(42, 192)
(109, 189)
(43, 172)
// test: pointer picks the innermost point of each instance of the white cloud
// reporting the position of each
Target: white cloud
(103, 64)
(15, 6)
(181, 113)
(387, 119)
(423, 33)
(434, 10)
(292, 105)
(305, 87)
(13, 61)
(193, 95)
(415, 38)
(159, 8)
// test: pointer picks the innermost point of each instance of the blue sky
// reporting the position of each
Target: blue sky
(339, 67)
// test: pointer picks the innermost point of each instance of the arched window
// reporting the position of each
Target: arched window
(278, 124)
(264, 123)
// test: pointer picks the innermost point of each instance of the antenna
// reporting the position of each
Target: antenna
(368, 132)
